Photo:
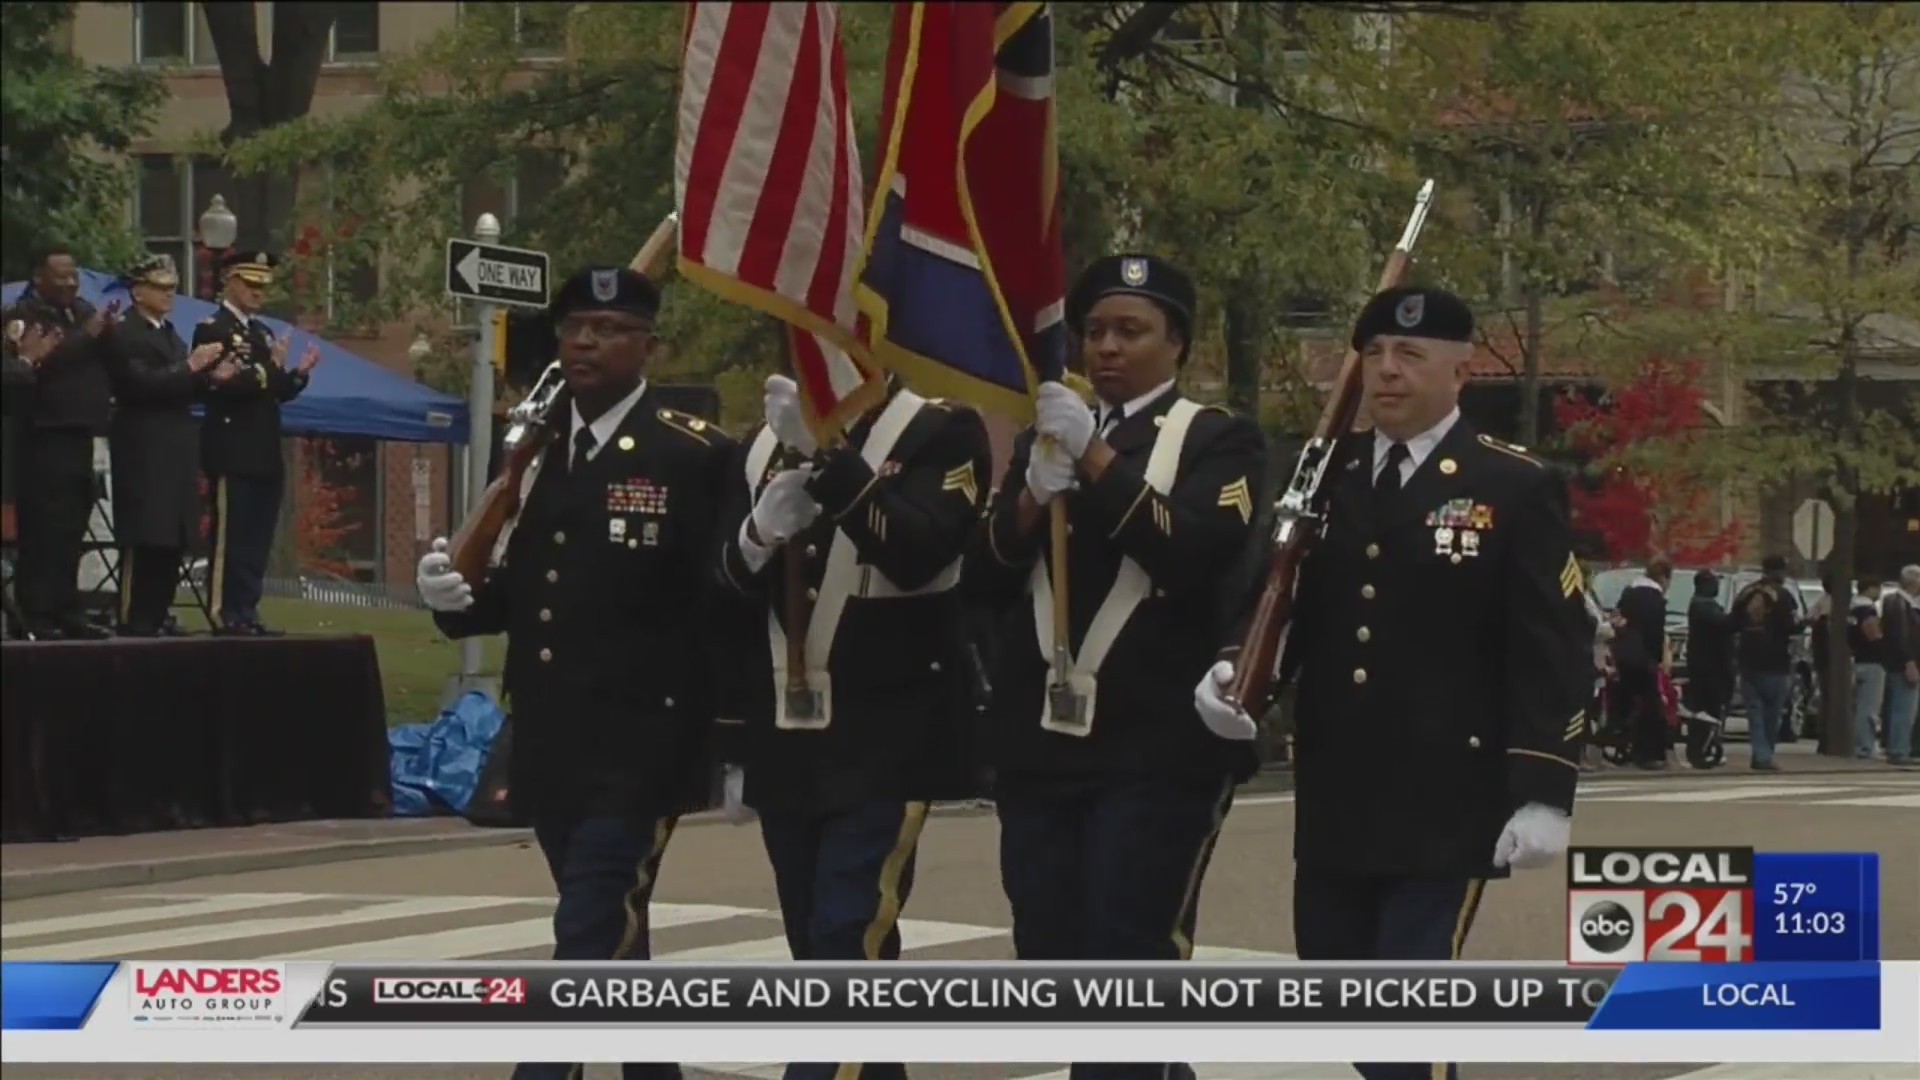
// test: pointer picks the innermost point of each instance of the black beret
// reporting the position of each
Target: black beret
(254, 267)
(607, 288)
(1414, 312)
(1133, 275)
(153, 270)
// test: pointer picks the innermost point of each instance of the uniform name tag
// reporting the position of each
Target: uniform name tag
(636, 497)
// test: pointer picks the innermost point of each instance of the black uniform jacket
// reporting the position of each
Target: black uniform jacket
(241, 434)
(605, 597)
(901, 719)
(155, 440)
(71, 387)
(1187, 543)
(1443, 659)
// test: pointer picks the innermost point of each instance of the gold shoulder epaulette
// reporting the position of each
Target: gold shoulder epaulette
(691, 426)
(1217, 408)
(939, 403)
(1511, 450)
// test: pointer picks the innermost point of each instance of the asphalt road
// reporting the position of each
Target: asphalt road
(716, 900)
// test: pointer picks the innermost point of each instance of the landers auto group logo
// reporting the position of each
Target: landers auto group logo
(202, 994)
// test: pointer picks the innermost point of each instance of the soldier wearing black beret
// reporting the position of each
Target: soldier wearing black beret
(604, 588)
(240, 438)
(1442, 656)
(1111, 794)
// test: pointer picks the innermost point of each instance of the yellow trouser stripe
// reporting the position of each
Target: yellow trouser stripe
(913, 818)
(1182, 944)
(218, 572)
(641, 894)
(126, 585)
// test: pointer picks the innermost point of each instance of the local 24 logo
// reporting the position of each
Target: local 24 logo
(1685, 905)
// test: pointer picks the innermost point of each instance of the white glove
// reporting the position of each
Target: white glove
(1062, 416)
(1049, 471)
(441, 588)
(1224, 720)
(1536, 835)
(783, 415)
(784, 507)
(735, 807)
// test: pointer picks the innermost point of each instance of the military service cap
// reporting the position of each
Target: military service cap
(252, 267)
(157, 270)
(1413, 312)
(1134, 275)
(604, 288)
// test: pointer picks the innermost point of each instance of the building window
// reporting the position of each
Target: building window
(540, 29)
(538, 175)
(356, 33)
(168, 200)
(172, 33)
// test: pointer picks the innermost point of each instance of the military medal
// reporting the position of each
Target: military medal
(650, 534)
(1469, 543)
(1442, 540)
(616, 529)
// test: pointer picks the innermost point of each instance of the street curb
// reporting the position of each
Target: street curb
(61, 880)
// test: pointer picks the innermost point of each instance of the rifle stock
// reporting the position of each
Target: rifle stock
(1301, 515)
(472, 546)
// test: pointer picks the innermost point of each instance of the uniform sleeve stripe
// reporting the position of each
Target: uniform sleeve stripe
(1131, 507)
(1555, 758)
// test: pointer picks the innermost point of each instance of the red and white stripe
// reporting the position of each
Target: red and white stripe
(767, 178)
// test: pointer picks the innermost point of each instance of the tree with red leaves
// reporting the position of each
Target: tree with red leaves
(1648, 444)
(322, 513)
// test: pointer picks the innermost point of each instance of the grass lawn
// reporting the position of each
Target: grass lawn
(415, 660)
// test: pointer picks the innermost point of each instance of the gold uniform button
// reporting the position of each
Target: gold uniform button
(1365, 635)
(813, 550)
(1373, 551)
(1366, 592)
(1473, 742)
(546, 614)
(935, 666)
(668, 702)
(546, 655)
(813, 594)
(559, 538)
(553, 576)
(1359, 676)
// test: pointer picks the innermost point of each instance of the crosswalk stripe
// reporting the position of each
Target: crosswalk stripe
(1227, 952)
(1911, 802)
(100, 920)
(182, 937)
(914, 934)
(490, 939)
(1723, 793)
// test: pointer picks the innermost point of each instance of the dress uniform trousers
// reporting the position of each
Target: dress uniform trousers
(246, 510)
(149, 577)
(604, 868)
(843, 879)
(1343, 916)
(56, 500)
(1109, 869)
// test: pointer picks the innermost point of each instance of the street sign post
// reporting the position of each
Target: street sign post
(493, 274)
(1813, 529)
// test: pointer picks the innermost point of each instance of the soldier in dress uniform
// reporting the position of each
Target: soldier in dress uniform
(240, 439)
(1443, 659)
(156, 447)
(604, 592)
(843, 772)
(1110, 798)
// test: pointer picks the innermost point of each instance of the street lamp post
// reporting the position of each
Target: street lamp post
(219, 228)
(479, 420)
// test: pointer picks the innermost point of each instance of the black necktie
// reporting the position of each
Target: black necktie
(1386, 486)
(583, 444)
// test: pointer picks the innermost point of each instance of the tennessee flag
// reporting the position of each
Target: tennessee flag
(962, 283)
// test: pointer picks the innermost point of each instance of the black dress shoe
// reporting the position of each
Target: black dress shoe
(263, 630)
(171, 627)
(85, 631)
(126, 630)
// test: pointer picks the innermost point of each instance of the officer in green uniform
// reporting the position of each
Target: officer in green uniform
(1443, 660)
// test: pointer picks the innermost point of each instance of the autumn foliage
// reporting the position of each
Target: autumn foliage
(323, 517)
(1653, 493)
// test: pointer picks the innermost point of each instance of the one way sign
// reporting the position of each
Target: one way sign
(499, 275)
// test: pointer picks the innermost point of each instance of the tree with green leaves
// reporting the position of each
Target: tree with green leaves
(63, 172)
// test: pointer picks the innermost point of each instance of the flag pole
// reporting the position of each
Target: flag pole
(802, 702)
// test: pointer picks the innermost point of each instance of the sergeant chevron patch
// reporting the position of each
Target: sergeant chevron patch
(877, 522)
(1237, 496)
(1162, 518)
(1571, 580)
(960, 479)
(1575, 725)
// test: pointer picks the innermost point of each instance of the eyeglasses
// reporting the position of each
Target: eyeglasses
(600, 327)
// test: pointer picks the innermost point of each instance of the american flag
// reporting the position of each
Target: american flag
(767, 182)
(964, 277)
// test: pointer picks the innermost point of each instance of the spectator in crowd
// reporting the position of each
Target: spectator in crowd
(1900, 656)
(72, 401)
(1591, 757)
(1864, 643)
(1820, 618)
(1639, 651)
(1766, 619)
(1710, 676)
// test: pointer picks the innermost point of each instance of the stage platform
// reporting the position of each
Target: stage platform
(137, 735)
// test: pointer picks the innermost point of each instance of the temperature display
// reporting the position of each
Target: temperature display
(1811, 907)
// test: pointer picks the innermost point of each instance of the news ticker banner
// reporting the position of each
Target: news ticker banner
(978, 1012)
(1721, 905)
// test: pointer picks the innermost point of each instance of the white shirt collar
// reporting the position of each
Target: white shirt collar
(1134, 406)
(1647, 582)
(1418, 448)
(245, 319)
(604, 427)
(157, 324)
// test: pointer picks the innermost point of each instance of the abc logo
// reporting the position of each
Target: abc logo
(1606, 927)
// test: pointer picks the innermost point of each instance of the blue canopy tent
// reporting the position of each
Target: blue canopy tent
(349, 395)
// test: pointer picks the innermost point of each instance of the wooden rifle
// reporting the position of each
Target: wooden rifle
(1300, 516)
(527, 436)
